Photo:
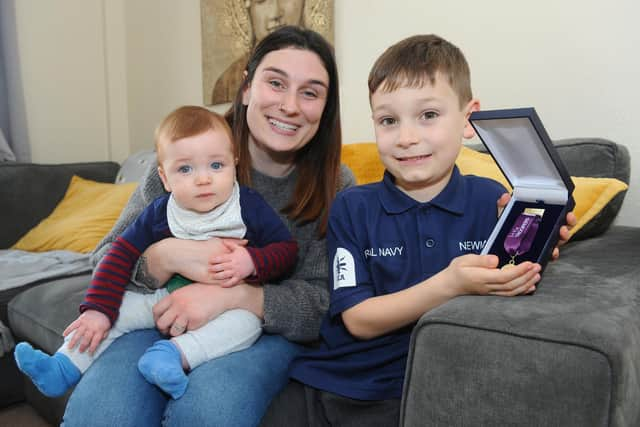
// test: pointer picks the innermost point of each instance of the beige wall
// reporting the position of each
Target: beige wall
(95, 76)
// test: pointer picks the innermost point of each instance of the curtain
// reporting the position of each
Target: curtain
(5, 149)
(11, 147)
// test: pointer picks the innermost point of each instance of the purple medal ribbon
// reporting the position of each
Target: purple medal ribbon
(521, 236)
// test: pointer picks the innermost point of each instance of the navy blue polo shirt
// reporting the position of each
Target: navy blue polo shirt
(381, 241)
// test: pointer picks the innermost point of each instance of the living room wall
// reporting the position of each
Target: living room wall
(93, 77)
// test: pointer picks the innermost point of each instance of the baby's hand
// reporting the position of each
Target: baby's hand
(229, 269)
(91, 327)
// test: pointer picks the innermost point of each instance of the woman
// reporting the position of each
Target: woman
(286, 120)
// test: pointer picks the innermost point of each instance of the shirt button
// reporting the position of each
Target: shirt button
(430, 243)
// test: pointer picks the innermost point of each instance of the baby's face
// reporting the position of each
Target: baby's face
(419, 133)
(199, 170)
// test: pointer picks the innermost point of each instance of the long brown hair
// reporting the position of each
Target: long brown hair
(318, 162)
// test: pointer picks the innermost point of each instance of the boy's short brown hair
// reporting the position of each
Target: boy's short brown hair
(188, 121)
(415, 60)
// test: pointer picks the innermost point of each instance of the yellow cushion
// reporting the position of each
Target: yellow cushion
(83, 217)
(363, 160)
(590, 194)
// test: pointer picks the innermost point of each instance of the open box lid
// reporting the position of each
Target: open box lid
(524, 152)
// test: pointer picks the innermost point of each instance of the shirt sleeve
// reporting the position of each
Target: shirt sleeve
(349, 276)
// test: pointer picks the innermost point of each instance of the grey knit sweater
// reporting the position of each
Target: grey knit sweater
(292, 307)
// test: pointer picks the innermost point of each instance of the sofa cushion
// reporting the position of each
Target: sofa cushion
(597, 158)
(134, 167)
(86, 213)
(40, 314)
(568, 355)
(29, 192)
(590, 194)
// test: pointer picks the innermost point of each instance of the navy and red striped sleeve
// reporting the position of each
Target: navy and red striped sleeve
(274, 260)
(110, 279)
(113, 273)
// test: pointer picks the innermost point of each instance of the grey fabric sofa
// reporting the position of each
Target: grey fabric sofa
(568, 355)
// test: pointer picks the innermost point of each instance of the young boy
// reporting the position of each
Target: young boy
(397, 246)
(196, 162)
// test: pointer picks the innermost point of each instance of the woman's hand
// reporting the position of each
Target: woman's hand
(190, 307)
(189, 258)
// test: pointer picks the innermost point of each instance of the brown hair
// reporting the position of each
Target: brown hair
(188, 121)
(416, 60)
(318, 162)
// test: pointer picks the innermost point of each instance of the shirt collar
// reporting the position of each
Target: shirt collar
(452, 198)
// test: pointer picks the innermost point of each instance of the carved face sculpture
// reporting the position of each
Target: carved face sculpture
(269, 15)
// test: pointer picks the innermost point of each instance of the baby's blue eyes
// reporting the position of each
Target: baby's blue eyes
(185, 169)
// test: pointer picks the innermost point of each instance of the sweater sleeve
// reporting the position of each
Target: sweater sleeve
(294, 307)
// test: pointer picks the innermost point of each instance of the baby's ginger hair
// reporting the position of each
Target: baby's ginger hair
(188, 121)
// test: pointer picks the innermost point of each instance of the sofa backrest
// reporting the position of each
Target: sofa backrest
(29, 192)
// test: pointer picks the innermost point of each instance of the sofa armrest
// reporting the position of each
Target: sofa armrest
(568, 355)
(29, 192)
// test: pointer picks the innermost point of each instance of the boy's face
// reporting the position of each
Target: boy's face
(199, 170)
(419, 133)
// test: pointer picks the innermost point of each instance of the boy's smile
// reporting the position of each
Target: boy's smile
(419, 133)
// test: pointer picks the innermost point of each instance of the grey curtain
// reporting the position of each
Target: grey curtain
(11, 101)
(5, 150)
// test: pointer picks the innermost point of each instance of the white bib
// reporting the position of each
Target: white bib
(223, 221)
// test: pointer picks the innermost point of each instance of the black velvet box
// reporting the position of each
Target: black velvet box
(542, 187)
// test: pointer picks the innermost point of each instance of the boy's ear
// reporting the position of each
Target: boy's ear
(473, 105)
(163, 177)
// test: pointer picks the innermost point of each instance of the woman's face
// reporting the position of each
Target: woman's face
(285, 100)
(269, 15)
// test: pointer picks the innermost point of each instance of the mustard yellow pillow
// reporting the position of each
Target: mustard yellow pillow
(590, 194)
(83, 217)
(363, 160)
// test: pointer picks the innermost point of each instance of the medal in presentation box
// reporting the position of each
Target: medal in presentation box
(528, 228)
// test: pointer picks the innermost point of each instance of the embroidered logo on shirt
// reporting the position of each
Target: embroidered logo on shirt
(344, 269)
(472, 245)
(390, 251)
